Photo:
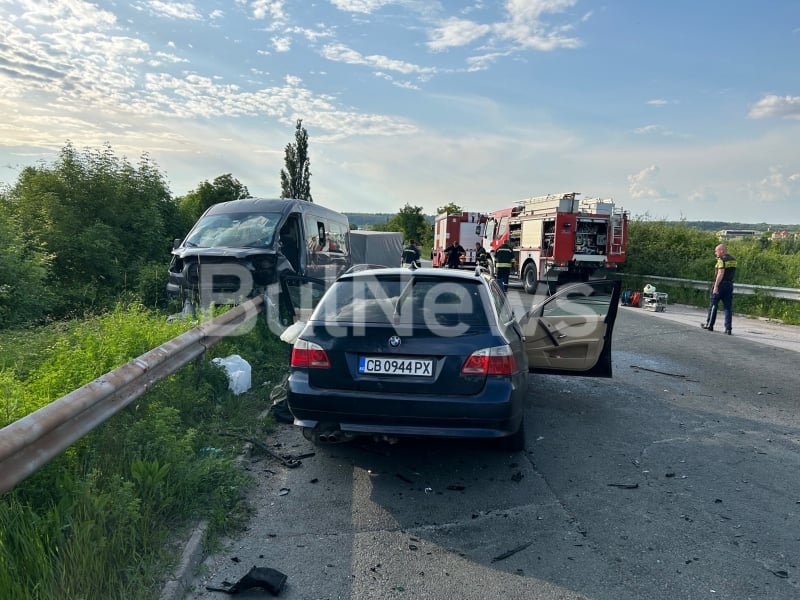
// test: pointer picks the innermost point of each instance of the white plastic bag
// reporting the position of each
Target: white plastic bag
(292, 331)
(238, 371)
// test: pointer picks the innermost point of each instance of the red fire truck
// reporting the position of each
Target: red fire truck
(560, 238)
(467, 228)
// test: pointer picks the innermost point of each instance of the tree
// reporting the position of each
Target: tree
(196, 202)
(411, 222)
(651, 249)
(99, 218)
(295, 179)
(451, 209)
(24, 294)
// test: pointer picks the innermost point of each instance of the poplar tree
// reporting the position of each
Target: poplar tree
(295, 178)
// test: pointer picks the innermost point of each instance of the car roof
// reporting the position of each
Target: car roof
(454, 274)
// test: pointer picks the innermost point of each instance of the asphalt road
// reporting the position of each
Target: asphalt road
(677, 478)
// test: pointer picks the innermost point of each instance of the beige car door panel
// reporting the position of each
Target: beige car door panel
(575, 343)
(570, 332)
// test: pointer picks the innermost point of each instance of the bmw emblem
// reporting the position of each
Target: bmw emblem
(394, 341)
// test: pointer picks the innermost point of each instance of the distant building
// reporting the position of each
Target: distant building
(730, 234)
(780, 235)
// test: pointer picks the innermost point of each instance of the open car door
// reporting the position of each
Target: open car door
(570, 332)
(292, 300)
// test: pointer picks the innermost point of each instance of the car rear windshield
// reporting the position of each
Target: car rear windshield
(234, 230)
(424, 300)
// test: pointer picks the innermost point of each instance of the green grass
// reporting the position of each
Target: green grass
(96, 521)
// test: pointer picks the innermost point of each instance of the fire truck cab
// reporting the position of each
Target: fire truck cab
(467, 228)
(560, 238)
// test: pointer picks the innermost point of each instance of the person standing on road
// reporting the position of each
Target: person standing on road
(481, 258)
(722, 289)
(502, 263)
(454, 253)
(410, 256)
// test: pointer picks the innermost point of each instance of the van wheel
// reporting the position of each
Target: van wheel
(530, 279)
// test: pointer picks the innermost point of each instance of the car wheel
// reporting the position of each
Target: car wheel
(530, 278)
(516, 441)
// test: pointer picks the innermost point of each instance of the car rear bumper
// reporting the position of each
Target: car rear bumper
(495, 412)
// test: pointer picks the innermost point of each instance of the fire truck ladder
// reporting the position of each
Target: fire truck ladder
(617, 245)
(548, 203)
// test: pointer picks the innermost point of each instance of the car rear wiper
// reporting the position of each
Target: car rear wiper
(403, 295)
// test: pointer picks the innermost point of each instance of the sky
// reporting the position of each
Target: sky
(675, 110)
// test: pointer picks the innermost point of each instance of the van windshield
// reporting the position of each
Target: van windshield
(234, 230)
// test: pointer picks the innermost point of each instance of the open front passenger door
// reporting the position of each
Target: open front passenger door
(570, 332)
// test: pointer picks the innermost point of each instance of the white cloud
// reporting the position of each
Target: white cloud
(282, 44)
(74, 15)
(162, 57)
(273, 9)
(654, 130)
(69, 56)
(455, 32)
(341, 53)
(648, 129)
(484, 61)
(703, 195)
(644, 185)
(360, 6)
(524, 28)
(312, 35)
(776, 106)
(777, 185)
(657, 102)
(175, 10)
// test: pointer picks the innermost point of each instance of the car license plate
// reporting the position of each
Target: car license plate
(376, 365)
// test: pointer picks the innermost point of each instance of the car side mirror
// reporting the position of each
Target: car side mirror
(176, 243)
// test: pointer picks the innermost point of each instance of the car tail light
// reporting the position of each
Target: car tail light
(309, 355)
(498, 360)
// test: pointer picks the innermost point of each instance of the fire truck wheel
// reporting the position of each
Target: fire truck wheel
(530, 279)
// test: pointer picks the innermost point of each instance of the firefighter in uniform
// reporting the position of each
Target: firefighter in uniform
(454, 253)
(410, 256)
(722, 289)
(481, 258)
(502, 262)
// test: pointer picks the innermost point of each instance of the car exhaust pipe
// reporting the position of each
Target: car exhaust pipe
(331, 434)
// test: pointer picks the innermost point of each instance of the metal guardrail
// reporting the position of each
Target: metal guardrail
(29, 443)
(739, 288)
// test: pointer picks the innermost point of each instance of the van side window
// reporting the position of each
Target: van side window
(326, 245)
(314, 241)
(337, 237)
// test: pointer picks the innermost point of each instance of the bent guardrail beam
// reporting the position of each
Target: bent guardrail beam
(29, 443)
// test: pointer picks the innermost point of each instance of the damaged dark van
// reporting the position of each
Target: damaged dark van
(239, 248)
